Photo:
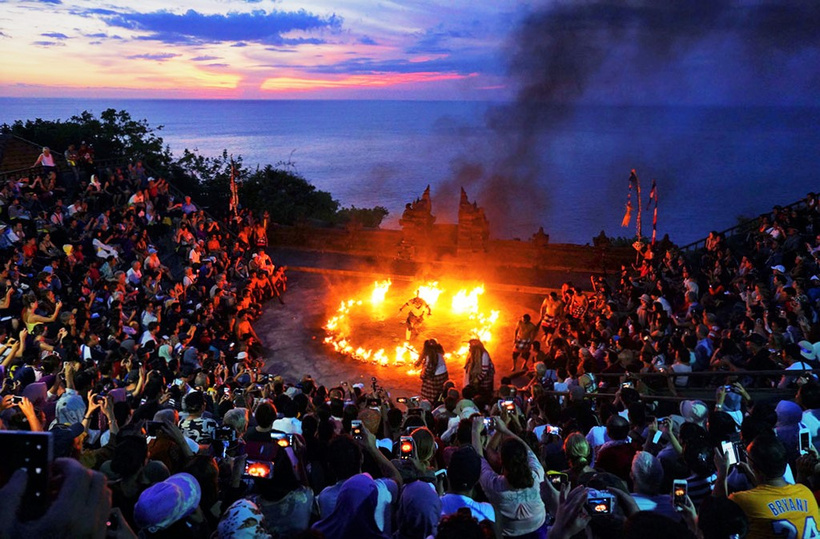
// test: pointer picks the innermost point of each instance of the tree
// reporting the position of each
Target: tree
(115, 134)
(287, 196)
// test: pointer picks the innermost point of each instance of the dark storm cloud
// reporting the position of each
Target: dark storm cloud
(193, 27)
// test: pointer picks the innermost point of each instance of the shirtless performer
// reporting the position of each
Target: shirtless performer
(415, 315)
(552, 310)
(525, 334)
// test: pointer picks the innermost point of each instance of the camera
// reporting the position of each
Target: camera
(17, 399)
(599, 502)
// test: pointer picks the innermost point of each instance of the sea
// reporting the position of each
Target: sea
(565, 169)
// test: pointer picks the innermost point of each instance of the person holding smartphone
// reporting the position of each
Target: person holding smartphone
(516, 492)
(773, 507)
(647, 476)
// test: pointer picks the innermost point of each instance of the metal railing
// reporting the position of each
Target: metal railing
(742, 228)
(694, 392)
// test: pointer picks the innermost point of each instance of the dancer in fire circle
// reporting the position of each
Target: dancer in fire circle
(415, 315)
(479, 371)
(525, 333)
(433, 370)
(552, 309)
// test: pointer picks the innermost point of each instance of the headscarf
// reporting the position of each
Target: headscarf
(419, 511)
(354, 513)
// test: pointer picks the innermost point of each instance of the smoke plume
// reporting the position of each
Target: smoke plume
(673, 53)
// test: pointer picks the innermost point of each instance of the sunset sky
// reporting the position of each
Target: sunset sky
(622, 51)
(255, 49)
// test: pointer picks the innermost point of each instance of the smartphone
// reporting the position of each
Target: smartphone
(260, 469)
(113, 523)
(356, 429)
(679, 489)
(179, 382)
(224, 433)
(489, 424)
(401, 400)
(657, 437)
(441, 474)
(407, 448)
(16, 399)
(554, 430)
(415, 411)
(508, 404)
(152, 428)
(728, 449)
(282, 439)
(33, 452)
(557, 479)
(627, 384)
(804, 440)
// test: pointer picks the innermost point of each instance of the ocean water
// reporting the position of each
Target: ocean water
(570, 175)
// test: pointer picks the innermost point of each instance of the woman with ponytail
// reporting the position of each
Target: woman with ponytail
(579, 456)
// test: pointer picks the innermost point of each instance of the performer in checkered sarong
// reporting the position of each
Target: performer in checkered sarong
(433, 370)
(479, 370)
(525, 333)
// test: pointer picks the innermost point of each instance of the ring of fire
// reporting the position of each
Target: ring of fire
(462, 315)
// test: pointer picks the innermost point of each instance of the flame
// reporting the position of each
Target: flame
(380, 289)
(467, 302)
(464, 305)
(430, 292)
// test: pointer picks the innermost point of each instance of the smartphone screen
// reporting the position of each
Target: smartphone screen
(33, 452)
(356, 429)
(729, 452)
(679, 489)
(805, 441)
(407, 447)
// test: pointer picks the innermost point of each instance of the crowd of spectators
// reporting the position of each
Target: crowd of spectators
(163, 423)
